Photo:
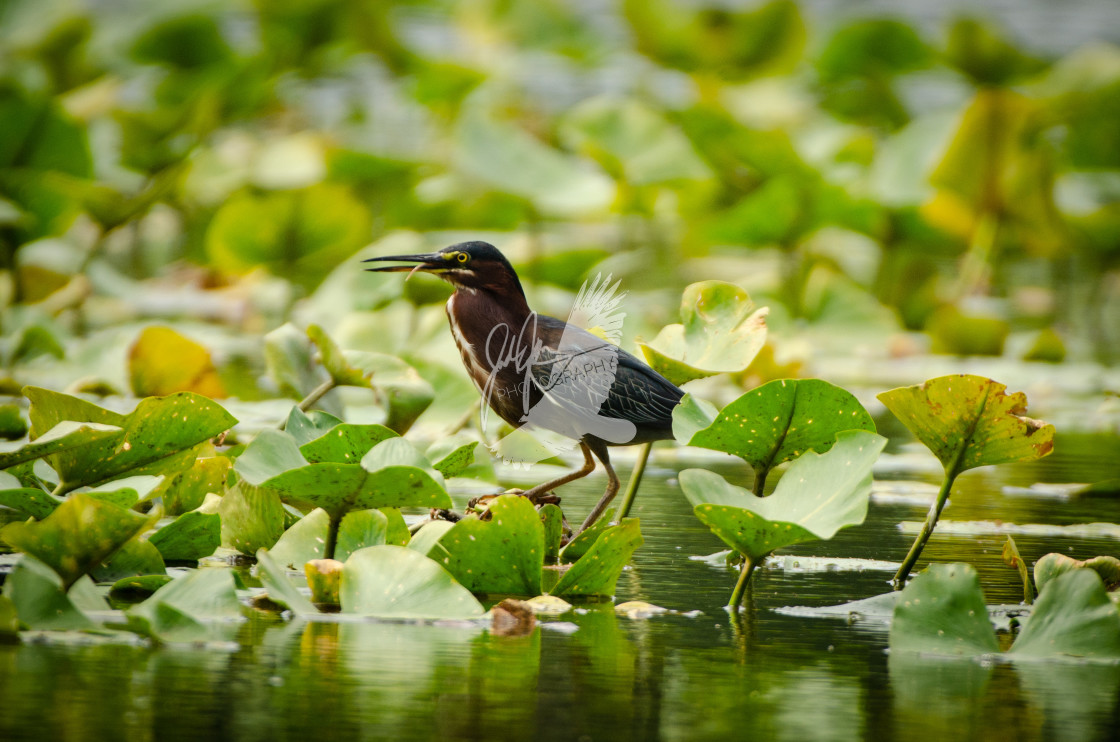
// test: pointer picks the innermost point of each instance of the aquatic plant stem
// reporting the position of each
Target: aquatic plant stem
(899, 580)
(744, 580)
(635, 480)
(316, 394)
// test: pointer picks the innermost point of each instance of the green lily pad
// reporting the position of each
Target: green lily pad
(189, 537)
(187, 490)
(280, 587)
(942, 612)
(632, 141)
(64, 436)
(720, 332)
(455, 462)
(30, 501)
(405, 392)
(502, 555)
(299, 233)
(186, 609)
(135, 559)
(138, 586)
(252, 518)
(1072, 616)
(290, 361)
(1051, 565)
(818, 495)
(781, 420)
(581, 544)
(335, 362)
(338, 488)
(396, 533)
(304, 541)
(596, 573)
(553, 519)
(396, 582)
(80, 534)
(692, 415)
(158, 437)
(271, 453)
(307, 426)
(40, 600)
(345, 443)
(427, 540)
(359, 529)
(968, 421)
(509, 159)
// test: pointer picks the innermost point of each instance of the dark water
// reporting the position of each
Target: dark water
(594, 675)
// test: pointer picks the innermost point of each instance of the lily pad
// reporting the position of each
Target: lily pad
(158, 437)
(335, 362)
(252, 518)
(129, 588)
(502, 555)
(345, 443)
(779, 421)
(720, 332)
(359, 529)
(454, 462)
(40, 600)
(80, 534)
(62, 437)
(596, 573)
(290, 361)
(304, 541)
(1072, 616)
(426, 540)
(189, 537)
(817, 496)
(187, 608)
(30, 501)
(280, 587)
(1051, 565)
(969, 421)
(307, 426)
(942, 612)
(162, 361)
(404, 391)
(187, 490)
(135, 559)
(396, 582)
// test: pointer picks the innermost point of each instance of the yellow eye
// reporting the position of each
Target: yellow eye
(462, 257)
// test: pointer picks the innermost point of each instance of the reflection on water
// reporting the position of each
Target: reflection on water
(714, 676)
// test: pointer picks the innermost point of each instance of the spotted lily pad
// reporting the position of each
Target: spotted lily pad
(158, 437)
(62, 437)
(189, 537)
(596, 573)
(502, 555)
(969, 421)
(817, 496)
(942, 612)
(777, 422)
(397, 582)
(1072, 616)
(720, 331)
(80, 534)
(304, 541)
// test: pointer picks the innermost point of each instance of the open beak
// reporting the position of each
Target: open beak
(432, 262)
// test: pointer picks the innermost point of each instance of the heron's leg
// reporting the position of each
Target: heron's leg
(587, 468)
(600, 449)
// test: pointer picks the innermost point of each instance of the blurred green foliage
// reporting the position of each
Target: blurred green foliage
(876, 176)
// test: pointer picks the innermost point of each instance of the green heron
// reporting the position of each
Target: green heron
(536, 370)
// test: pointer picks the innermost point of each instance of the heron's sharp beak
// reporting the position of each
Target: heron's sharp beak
(432, 262)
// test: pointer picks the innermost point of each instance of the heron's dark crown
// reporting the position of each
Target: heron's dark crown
(485, 269)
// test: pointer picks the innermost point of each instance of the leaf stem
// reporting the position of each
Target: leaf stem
(744, 581)
(332, 536)
(316, 394)
(61, 488)
(899, 580)
(635, 480)
(760, 481)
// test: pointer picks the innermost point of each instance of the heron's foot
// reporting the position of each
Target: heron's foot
(444, 514)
